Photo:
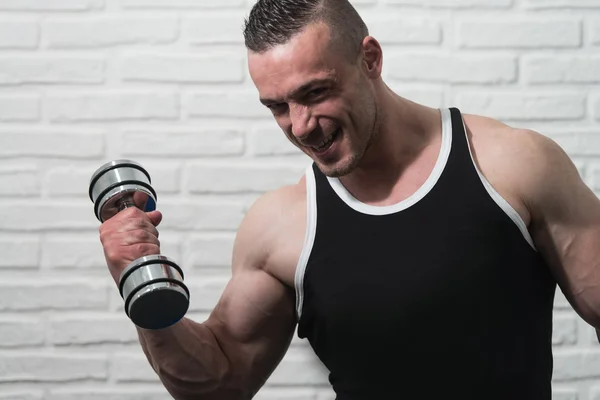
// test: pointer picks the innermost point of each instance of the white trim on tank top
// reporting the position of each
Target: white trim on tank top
(351, 201)
(497, 197)
(438, 168)
(309, 237)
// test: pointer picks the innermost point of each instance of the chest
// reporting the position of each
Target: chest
(406, 270)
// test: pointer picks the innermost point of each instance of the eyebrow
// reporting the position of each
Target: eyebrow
(297, 92)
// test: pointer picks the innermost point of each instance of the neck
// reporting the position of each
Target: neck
(404, 131)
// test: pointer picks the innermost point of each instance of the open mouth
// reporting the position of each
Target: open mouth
(327, 142)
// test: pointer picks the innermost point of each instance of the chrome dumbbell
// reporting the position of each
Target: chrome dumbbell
(152, 286)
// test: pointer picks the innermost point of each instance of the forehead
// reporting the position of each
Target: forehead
(305, 57)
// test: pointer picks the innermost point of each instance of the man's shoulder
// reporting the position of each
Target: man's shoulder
(277, 204)
(491, 130)
(275, 221)
(516, 161)
(514, 147)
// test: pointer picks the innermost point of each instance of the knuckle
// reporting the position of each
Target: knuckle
(131, 212)
(139, 234)
(144, 249)
(111, 255)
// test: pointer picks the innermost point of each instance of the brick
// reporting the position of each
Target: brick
(205, 292)
(31, 394)
(36, 69)
(132, 368)
(73, 145)
(559, 393)
(31, 295)
(297, 342)
(592, 336)
(19, 108)
(54, 5)
(299, 367)
(561, 302)
(576, 142)
(596, 109)
(19, 181)
(201, 4)
(121, 393)
(596, 178)
(210, 250)
(36, 367)
(230, 104)
(453, 3)
(20, 331)
(521, 106)
(270, 141)
(68, 181)
(532, 33)
(595, 31)
(112, 106)
(594, 393)
(576, 364)
(91, 329)
(326, 394)
(22, 216)
(562, 69)
(241, 178)
(453, 68)
(428, 97)
(109, 31)
(19, 253)
(165, 177)
(394, 30)
(183, 68)
(72, 252)
(214, 29)
(565, 330)
(202, 215)
(18, 34)
(183, 142)
(542, 4)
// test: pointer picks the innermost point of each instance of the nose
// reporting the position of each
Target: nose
(302, 121)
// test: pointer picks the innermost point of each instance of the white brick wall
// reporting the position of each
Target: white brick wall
(165, 82)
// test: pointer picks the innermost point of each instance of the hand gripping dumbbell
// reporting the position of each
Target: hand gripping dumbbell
(152, 286)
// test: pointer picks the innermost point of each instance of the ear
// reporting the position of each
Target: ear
(372, 57)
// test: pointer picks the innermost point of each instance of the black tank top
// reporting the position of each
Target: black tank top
(440, 296)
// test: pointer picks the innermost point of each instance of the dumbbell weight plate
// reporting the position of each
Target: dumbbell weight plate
(118, 182)
(154, 293)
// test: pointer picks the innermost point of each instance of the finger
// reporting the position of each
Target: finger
(129, 214)
(155, 217)
(148, 227)
(140, 236)
(144, 249)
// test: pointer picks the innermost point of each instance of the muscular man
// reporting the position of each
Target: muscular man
(419, 254)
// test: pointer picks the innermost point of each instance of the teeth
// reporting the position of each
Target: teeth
(325, 142)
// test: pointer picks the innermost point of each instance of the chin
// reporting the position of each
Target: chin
(339, 168)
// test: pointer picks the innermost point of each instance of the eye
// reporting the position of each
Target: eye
(316, 92)
(277, 107)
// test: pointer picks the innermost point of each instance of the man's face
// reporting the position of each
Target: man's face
(323, 103)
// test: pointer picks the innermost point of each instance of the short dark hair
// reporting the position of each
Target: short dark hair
(275, 22)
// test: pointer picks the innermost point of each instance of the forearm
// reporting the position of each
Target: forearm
(189, 361)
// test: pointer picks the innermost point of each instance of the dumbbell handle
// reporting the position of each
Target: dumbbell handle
(125, 203)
